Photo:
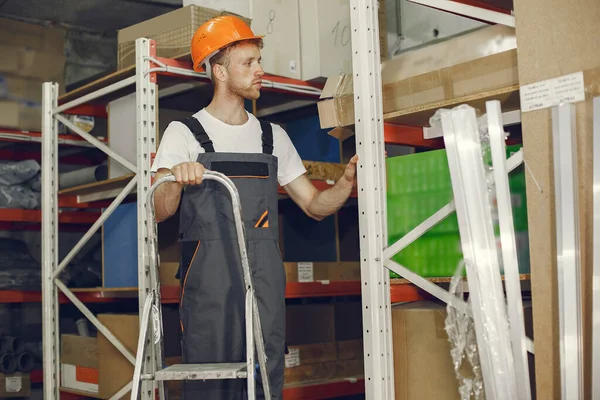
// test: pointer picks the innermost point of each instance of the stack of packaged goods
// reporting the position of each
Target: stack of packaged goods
(31, 54)
(418, 185)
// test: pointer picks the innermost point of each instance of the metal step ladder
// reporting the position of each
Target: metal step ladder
(144, 371)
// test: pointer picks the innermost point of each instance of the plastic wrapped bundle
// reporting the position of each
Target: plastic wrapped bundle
(19, 196)
(17, 172)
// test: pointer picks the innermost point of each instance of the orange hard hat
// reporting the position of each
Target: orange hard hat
(215, 34)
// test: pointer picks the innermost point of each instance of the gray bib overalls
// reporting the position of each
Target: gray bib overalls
(212, 298)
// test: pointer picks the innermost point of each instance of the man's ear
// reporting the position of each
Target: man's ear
(219, 72)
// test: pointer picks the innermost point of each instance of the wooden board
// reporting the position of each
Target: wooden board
(445, 279)
(420, 116)
(99, 84)
(555, 38)
(100, 190)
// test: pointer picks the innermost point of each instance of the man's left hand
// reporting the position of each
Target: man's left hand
(350, 172)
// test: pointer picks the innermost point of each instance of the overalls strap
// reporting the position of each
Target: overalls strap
(267, 137)
(199, 133)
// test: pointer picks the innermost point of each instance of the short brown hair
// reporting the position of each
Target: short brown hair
(222, 57)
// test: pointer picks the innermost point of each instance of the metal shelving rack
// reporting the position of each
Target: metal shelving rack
(144, 81)
(475, 228)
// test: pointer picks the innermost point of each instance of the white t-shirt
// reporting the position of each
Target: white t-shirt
(179, 145)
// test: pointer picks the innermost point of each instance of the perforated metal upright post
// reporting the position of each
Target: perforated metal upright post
(50, 327)
(146, 99)
(368, 111)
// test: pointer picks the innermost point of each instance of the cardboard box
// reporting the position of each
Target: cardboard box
(115, 371)
(172, 31)
(324, 371)
(32, 36)
(322, 271)
(469, 64)
(309, 324)
(324, 361)
(28, 63)
(17, 115)
(239, 7)
(21, 89)
(308, 39)
(79, 363)
(15, 385)
(422, 352)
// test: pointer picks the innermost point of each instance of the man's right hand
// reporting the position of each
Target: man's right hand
(188, 173)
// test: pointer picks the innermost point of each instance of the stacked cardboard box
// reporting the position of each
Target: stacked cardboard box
(172, 32)
(418, 185)
(324, 342)
(423, 365)
(31, 54)
(482, 62)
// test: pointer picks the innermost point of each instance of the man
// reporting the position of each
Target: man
(257, 156)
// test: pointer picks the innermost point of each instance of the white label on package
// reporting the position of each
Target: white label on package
(305, 272)
(13, 384)
(292, 359)
(552, 92)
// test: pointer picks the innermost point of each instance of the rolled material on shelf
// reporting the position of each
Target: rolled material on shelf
(8, 363)
(10, 344)
(24, 362)
(83, 176)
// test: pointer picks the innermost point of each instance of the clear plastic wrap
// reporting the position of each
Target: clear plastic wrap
(461, 334)
(35, 183)
(17, 172)
(19, 196)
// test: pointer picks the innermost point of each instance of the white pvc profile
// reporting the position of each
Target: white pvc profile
(568, 257)
(596, 256)
(146, 103)
(508, 118)
(448, 128)
(94, 95)
(50, 318)
(368, 109)
(509, 250)
(469, 185)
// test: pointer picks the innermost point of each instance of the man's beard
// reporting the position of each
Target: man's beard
(248, 92)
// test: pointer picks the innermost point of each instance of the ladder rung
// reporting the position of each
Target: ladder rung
(181, 372)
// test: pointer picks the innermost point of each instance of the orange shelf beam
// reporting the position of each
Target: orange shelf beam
(24, 296)
(406, 135)
(67, 217)
(325, 390)
(405, 293)
(318, 289)
(170, 294)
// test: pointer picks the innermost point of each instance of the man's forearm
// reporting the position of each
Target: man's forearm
(329, 201)
(166, 200)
